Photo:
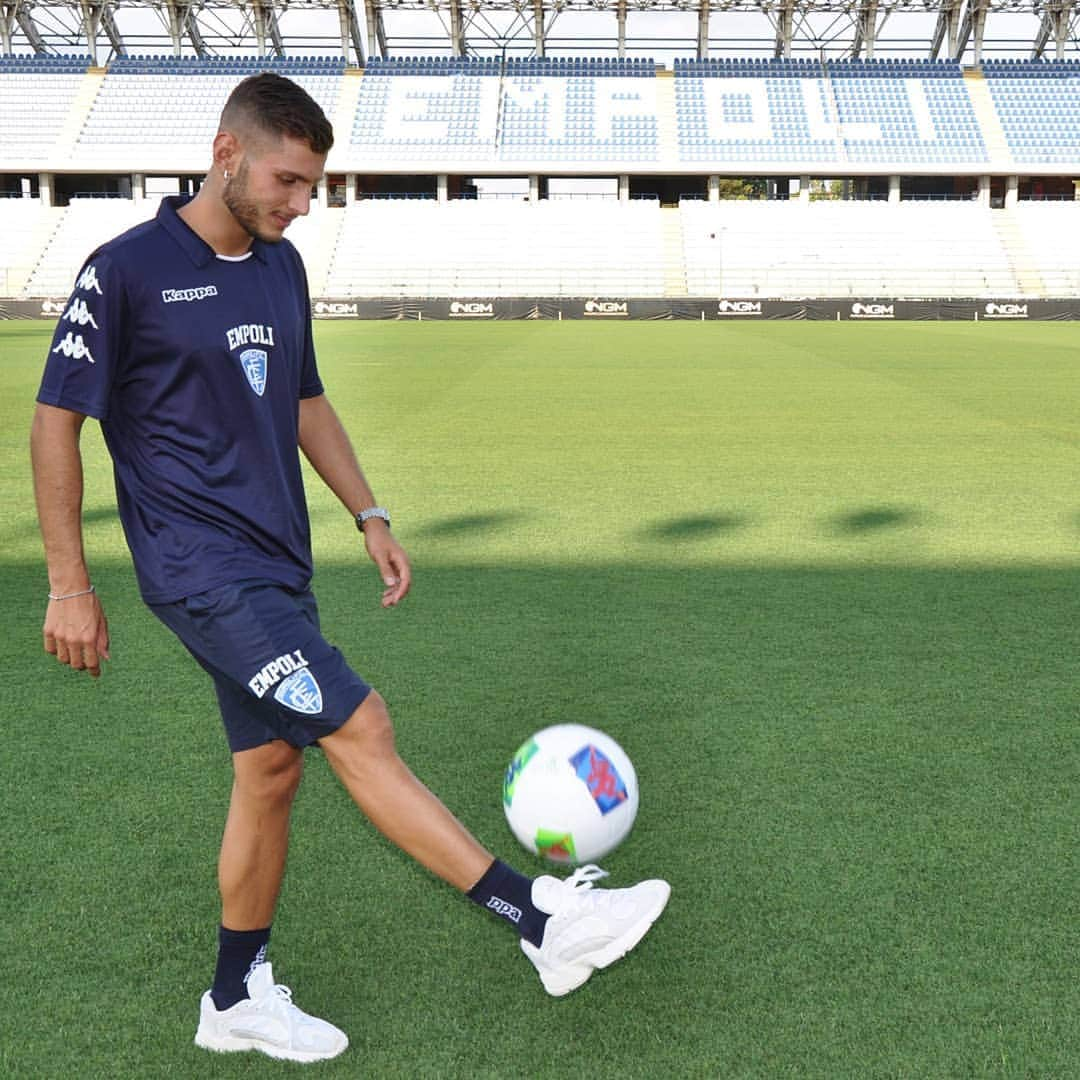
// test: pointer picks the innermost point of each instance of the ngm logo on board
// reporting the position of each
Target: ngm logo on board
(738, 307)
(859, 310)
(1005, 311)
(607, 308)
(335, 309)
(471, 309)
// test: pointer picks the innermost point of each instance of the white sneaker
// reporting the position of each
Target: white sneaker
(589, 928)
(267, 1021)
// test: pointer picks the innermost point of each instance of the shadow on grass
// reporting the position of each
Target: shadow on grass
(465, 524)
(101, 513)
(874, 519)
(695, 527)
(28, 526)
(835, 765)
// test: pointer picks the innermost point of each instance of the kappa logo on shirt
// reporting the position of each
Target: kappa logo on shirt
(74, 346)
(188, 296)
(88, 281)
(79, 314)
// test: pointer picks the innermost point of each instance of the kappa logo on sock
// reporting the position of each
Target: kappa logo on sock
(260, 958)
(506, 910)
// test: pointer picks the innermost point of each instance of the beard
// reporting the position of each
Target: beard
(238, 202)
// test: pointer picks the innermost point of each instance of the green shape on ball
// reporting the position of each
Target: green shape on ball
(514, 769)
(557, 846)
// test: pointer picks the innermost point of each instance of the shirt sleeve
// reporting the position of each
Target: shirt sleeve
(84, 355)
(310, 382)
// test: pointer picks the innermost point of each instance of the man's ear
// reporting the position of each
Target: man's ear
(226, 152)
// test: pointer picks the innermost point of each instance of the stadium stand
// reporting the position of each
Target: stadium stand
(912, 111)
(599, 110)
(778, 249)
(125, 122)
(498, 248)
(800, 114)
(1051, 231)
(426, 111)
(51, 83)
(1038, 105)
(854, 113)
(557, 111)
(23, 223)
(466, 116)
(78, 229)
(753, 111)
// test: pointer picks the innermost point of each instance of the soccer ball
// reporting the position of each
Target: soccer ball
(570, 794)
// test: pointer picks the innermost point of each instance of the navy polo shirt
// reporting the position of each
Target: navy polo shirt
(195, 365)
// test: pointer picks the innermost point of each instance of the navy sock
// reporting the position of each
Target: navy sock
(508, 894)
(239, 952)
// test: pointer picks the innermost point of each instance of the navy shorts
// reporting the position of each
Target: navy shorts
(276, 676)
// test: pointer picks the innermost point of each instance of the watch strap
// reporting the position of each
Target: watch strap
(379, 512)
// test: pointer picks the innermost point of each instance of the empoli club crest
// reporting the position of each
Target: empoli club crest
(253, 362)
(300, 692)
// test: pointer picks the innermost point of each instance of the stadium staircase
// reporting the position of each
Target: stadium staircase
(78, 114)
(674, 252)
(834, 110)
(666, 116)
(1029, 281)
(317, 235)
(997, 146)
(345, 113)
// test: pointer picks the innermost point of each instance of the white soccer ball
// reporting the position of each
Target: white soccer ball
(570, 794)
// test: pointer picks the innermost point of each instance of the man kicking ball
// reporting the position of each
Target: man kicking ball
(189, 339)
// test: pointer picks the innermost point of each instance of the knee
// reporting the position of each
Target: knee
(369, 732)
(272, 775)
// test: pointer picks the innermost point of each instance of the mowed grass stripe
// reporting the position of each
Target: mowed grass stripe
(789, 568)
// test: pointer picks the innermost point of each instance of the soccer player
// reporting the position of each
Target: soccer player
(189, 339)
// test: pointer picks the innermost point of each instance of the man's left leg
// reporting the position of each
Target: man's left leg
(568, 928)
(363, 754)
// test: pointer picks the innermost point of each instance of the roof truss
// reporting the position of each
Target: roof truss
(957, 29)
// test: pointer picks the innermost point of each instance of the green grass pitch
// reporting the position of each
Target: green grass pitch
(822, 581)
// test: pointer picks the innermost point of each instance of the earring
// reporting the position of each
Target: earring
(226, 176)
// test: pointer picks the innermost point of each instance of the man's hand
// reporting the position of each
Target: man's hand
(389, 556)
(77, 633)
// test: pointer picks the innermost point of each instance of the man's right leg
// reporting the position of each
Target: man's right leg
(235, 632)
(245, 1010)
(256, 838)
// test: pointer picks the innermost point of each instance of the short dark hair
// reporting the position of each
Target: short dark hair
(277, 106)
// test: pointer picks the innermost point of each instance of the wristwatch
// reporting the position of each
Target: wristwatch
(372, 512)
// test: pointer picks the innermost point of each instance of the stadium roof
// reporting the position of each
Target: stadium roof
(965, 30)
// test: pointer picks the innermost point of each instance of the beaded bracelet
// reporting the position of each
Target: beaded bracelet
(72, 595)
